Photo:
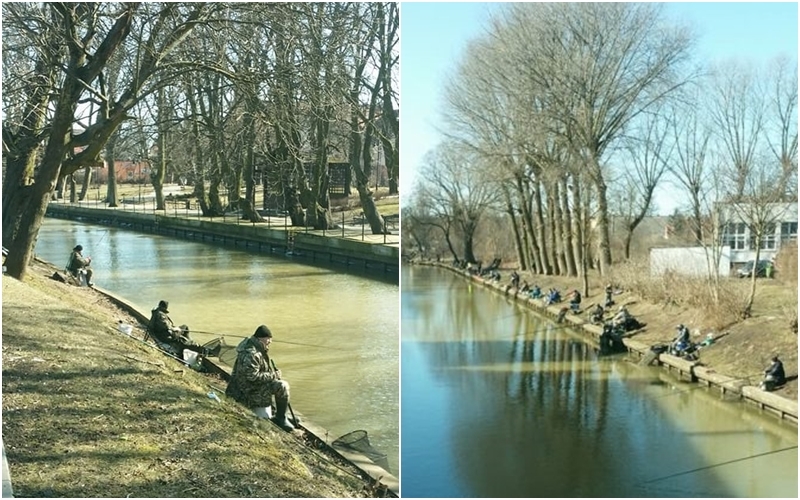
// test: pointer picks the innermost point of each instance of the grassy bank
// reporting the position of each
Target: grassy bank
(90, 412)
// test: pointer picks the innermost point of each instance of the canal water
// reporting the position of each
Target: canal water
(347, 376)
(498, 402)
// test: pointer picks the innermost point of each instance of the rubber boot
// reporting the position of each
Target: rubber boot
(280, 414)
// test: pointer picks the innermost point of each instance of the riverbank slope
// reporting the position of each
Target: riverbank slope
(743, 348)
(91, 412)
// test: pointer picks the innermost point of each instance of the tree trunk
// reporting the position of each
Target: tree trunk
(566, 230)
(527, 222)
(578, 241)
(87, 179)
(604, 245)
(73, 195)
(110, 164)
(540, 229)
(518, 243)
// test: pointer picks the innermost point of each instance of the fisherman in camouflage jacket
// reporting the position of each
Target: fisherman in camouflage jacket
(254, 382)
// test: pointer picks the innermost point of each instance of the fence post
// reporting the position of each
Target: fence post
(342, 223)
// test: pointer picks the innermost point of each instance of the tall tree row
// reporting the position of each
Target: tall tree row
(575, 115)
(213, 94)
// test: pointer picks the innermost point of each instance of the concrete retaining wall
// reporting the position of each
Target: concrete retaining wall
(352, 254)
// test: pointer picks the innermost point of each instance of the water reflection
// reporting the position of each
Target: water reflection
(344, 378)
(498, 403)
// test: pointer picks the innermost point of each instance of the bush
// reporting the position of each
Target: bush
(684, 291)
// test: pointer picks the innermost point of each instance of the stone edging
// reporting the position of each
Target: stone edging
(688, 370)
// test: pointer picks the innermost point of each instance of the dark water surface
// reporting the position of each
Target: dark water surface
(497, 402)
(348, 381)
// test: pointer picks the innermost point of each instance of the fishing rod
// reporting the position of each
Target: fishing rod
(757, 455)
(274, 340)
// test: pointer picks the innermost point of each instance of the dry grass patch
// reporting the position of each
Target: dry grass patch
(743, 348)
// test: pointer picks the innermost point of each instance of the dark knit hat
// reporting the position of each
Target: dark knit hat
(78, 248)
(262, 331)
(163, 304)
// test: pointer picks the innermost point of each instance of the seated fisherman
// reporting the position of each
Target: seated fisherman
(681, 340)
(621, 318)
(609, 300)
(253, 381)
(514, 279)
(77, 263)
(597, 314)
(774, 376)
(575, 300)
(553, 297)
(174, 339)
(536, 292)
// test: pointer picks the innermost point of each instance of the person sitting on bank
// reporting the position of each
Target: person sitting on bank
(609, 300)
(174, 339)
(575, 300)
(774, 376)
(596, 315)
(536, 292)
(553, 297)
(253, 381)
(514, 279)
(78, 263)
(681, 342)
(622, 317)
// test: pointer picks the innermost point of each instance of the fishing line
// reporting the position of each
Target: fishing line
(274, 340)
(757, 455)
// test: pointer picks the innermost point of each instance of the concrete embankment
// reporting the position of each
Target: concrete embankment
(387, 482)
(355, 251)
(692, 371)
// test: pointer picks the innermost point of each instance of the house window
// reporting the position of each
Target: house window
(788, 231)
(735, 235)
(769, 240)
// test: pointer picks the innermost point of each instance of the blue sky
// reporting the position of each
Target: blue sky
(433, 36)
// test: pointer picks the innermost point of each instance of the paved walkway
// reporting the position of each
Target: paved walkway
(8, 492)
(348, 229)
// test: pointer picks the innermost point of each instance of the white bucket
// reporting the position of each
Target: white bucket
(263, 412)
(125, 328)
(189, 357)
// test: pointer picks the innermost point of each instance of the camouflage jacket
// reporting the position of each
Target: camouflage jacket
(252, 377)
(76, 262)
(160, 326)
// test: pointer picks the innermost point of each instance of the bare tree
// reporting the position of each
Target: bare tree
(782, 122)
(759, 208)
(74, 43)
(737, 110)
(688, 165)
(595, 67)
(452, 179)
(649, 154)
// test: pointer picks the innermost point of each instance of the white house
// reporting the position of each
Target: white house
(780, 221)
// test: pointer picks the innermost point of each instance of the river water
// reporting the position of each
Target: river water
(498, 402)
(346, 380)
